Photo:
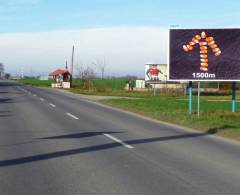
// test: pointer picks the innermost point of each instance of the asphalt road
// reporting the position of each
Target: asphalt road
(52, 143)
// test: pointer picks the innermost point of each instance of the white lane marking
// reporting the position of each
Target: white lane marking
(54, 106)
(24, 90)
(20, 88)
(34, 95)
(71, 115)
(118, 141)
(42, 99)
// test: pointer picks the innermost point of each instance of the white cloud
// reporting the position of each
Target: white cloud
(126, 49)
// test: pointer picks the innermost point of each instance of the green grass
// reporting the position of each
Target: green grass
(115, 84)
(215, 117)
(98, 84)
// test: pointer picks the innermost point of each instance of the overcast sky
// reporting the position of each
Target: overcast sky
(36, 36)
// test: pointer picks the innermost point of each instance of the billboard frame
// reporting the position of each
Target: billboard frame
(193, 80)
(157, 81)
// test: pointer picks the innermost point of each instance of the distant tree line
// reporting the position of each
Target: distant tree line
(2, 75)
(1, 70)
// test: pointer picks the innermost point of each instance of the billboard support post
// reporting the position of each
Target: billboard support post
(233, 96)
(199, 93)
(190, 97)
(185, 89)
(154, 90)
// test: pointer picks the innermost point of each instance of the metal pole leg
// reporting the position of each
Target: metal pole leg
(233, 96)
(190, 97)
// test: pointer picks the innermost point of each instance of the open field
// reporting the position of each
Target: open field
(94, 85)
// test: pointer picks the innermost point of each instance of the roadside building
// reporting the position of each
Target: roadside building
(61, 78)
(43, 78)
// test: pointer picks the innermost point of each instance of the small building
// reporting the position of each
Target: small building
(61, 78)
(140, 84)
(43, 78)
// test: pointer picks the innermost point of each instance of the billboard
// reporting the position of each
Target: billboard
(204, 54)
(155, 73)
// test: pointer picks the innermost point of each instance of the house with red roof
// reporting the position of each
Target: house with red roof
(61, 78)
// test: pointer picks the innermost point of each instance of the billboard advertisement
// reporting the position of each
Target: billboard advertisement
(204, 54)
(155, 73)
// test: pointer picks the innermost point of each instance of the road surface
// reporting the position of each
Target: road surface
(51, 143)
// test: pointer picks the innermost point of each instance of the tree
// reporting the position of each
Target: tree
(101, 65)
(80, 71)
(86, 74)
(7, 76)
(1, 69)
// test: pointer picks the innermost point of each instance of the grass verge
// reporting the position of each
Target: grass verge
(215, 117)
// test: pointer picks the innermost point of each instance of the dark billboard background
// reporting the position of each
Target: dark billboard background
(183, 64)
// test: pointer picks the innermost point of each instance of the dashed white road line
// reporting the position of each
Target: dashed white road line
(34, 95)
(42, 99)
(54, 106)
(71, 115)
(118, 141)
(26, 91)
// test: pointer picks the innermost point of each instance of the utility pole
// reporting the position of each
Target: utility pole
(66, 67)
(103, 67)
(71, 78)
